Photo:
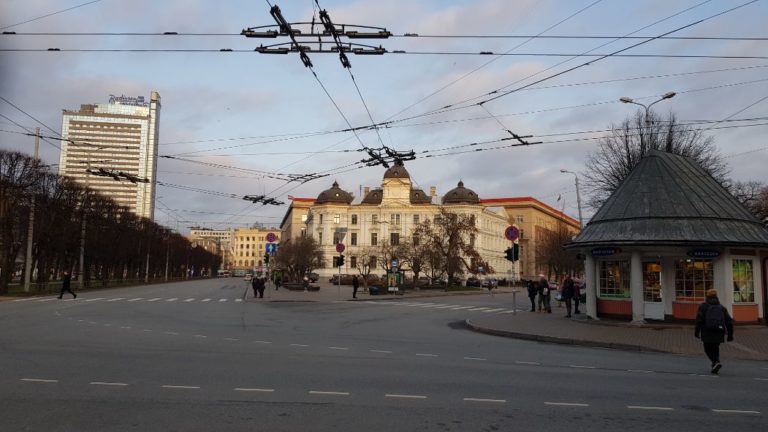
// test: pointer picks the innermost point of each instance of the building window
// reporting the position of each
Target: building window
(353, 240)
(336, 219)
(353, 261)
(321, 218)
(336, 237)
(374, 239)
(415, 219)
(372, 262)
(692, 279)
(303, 218)
(614, 279)
(394, 219)
(247, 246)
(743, 281)
(519, 219)
(374, 219)
(354, 220)
(319, 238)
(394, 239)
(522, 234)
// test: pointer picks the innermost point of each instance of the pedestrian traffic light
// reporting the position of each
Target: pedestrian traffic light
(509, 252)
(335, 261)
(516, 251)
(266, 258)
(341, 260)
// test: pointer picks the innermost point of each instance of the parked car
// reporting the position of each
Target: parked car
(474, 282)
(346, 279)
(313, 277)
(490, 283)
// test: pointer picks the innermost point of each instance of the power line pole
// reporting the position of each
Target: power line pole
(31, 228)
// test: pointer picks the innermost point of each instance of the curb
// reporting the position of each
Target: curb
(561, 341)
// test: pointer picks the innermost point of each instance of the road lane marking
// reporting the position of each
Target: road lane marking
(494, 310)
(339, 348)
(262, 342)
(92, 322)
(299, 345)
(171, 333)
(154, 299)
(115, 384)
(761, 379)
(404, 396)
(39, 380)
(727, 411)
(48, 299)
(180, 387)
(26, 299)
(639, 370)
(200, 336)
(426, 355)
(190, 300)
(205, 300)
(147, 330)
(478, 309)
(381, 351)
(258, 390)
(330, 393)
(222, 300)
(107, 325)
(95, 299)
(581, 367)
(463, 307)
(574, 404)
(512, 311)
(136, 299)
(656, 408)
(528, 363)
(485, 400)
(172, 299)
(238, 300)
(116, 299)
(125, 327)
(704, 376)
(475, 358)
(80, 320)
(231, 339)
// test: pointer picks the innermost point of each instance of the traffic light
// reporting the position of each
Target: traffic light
(266, 258)
(341, 260)
(335, 261)
(513, 253)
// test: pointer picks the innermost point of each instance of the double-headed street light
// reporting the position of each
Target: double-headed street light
(578, 195)
(668, 95)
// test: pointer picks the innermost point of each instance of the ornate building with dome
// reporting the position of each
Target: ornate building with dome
(388, 215)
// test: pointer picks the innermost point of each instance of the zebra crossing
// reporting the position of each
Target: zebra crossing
(447, 307)
(133, 300)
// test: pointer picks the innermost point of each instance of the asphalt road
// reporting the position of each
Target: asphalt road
(195, 357)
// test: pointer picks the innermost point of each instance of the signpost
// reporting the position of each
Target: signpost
(512, 233)
(340, 249)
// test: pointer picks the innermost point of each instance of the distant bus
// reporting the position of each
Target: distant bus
(223, 273)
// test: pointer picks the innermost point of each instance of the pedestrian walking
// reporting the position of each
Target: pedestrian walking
(66, 282)
(544, 295)
(262, 283)
(278, 281)
(567, 294)
(306, 284)
(532, 291)
(712, 323)
(255, 286)
(355, 286)
(576, 297)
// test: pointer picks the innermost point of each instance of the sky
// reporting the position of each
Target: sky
(253, 112)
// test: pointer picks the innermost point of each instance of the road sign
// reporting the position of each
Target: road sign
(271, 237)
(271, 247)
(512, 233)
(340, 247)
(394, 265)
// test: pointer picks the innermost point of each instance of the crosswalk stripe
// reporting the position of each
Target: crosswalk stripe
(222, 300)
(205, 300)
(494, 310)
(172, 299)
(238, 300)
(136, 299)
(154, 299)
(26, 299)
(190, 300)
(47, 299)
(478, 309)
(95, 299)
(116, 299)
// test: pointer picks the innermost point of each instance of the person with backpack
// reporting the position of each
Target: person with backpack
(712, 323)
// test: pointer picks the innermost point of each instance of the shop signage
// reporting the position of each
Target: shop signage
(703, 253)
(605, 251)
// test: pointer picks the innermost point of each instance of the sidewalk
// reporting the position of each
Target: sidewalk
(330, 293)
(751, 340)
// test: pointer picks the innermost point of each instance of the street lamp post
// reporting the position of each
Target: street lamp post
(648, 121)
(578, 195)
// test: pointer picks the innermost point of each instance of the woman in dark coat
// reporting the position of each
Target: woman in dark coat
(712, 323)
(532, 294)
(567, 292)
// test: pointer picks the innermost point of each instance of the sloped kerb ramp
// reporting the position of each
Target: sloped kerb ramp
(559, 340)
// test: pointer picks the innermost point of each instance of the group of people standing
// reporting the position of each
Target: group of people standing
(540, 293)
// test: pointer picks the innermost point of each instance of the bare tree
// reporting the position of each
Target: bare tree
(415, 255)
(298, 256)
(621, 150)
(551, 253)
(754, 196)
(365, 265)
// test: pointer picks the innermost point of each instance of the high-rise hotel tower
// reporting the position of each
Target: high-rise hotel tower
(119, 137)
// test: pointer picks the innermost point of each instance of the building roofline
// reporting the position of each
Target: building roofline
(518, 200)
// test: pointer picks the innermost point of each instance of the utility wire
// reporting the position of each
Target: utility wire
(50, 14)
(29, 131)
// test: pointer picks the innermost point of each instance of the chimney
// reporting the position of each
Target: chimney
(365, 191)
(432, 191)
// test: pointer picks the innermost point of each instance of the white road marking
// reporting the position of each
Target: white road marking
(92, 322)
(125, 327)
(704, 376)
(426, 355)
(761, 379)
(639, 370)
(381, 351)
(95, 299)
(528, 363)
(299, 345)
(48, 299)
(200, 336)
(511, 311)
(404, 396)
(116, 384)
(463, 307)
(154, 299)
(726, 411)
(231, 339)
(575, 404)
(338, 348)
(116, 299)
(80, 320)
(475, 358)
(494, 310)
(107, 325)
(262, 342)
(180, 387)
(485, 400)
(444, 306)
(205, 300)
(147, 330)
(190, 300)
(222, 300)
(581, 367)
(40, 380)
(172, 299)
(331, 393)
(26, 299)
(640, 407)
(238, 300)
(259, 390)
(136, 299)
(478, 309)
(171, 333)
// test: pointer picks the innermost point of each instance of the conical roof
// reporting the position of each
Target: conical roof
(334, 195)
(670, 200)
